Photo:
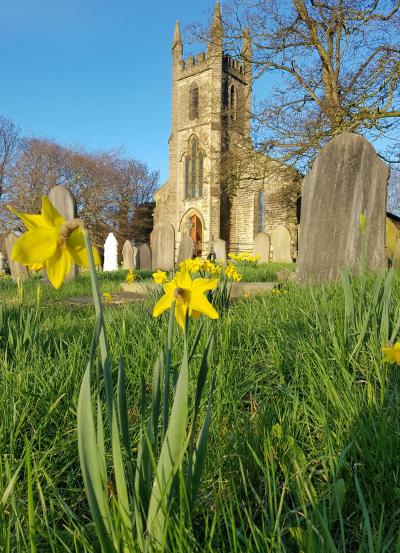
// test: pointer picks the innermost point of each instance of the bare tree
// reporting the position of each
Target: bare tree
(9, 141)
(329, 66)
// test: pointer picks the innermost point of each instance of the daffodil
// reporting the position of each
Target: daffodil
(160, 277)
(189, 297)
(392, 353)
(131, 276)
(52, 242)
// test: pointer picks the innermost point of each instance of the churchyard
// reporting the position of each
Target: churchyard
(267, 424)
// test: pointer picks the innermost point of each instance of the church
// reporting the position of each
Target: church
(218, 186)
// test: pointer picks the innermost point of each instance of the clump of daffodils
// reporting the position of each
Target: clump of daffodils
(107, 297)
(51, 243)
(160, 277)
(198, 265)
(131, 276)
(392, 353)
(232, 273)
(279, 292)
(244, 258)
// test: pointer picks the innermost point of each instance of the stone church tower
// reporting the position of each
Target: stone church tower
(209, 143)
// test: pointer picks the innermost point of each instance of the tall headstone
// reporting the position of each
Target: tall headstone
(19, 272)
(262, 246)
(219, 246)
(347, 179)
(144, 257)
(128, 256)
(110, 253)
(64, 202)
(186, 248)
(1, 263)
(281, 245)
(162, 241)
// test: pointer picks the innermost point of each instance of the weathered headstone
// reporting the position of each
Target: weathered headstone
(162, 241)
(64, 202)
(19, 272)
(128, 256)
(219, 246)
(396, 256)
(144, 257)
(186, 248)
(1, 263)
(135, 257)
(347, 179)
(110, 253)
(281, 245)
(262, 246)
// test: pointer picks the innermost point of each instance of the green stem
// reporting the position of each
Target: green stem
(105, 357)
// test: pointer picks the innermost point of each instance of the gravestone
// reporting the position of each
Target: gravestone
(110, 253)
(19, 272)
(64, 202)
(186, 248)
(262, 246)
(163, 247)
(396, 256)
(144, 257)
(128, 256)
(1, 263)
(219, 246)
(281, 245)
(347, 179)
(135, 257)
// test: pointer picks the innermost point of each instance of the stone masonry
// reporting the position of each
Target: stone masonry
(218, 186)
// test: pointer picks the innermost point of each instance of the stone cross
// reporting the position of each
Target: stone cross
(110, 253)
(346, 180)
(64, 202)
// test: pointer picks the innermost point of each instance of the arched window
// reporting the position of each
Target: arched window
(194, 101)
(194, 163)
(187, 174)
(260, 211)
(232, 102)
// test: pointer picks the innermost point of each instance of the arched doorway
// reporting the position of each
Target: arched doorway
(196, 233)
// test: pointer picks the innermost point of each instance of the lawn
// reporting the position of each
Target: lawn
(304, 448)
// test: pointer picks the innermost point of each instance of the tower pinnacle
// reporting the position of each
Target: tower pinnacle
(177, 40)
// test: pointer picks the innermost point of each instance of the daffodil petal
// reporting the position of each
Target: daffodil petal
(58, 266)
(201, 285)
(32, 222)
(35, 246)
(180, 314)
(163, 304)
(183, 280)
(50, 214)
(77, 249)
(202, 305)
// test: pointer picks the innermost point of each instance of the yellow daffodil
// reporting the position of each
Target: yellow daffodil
(160, 277)
(131, 276)
(52, 242)
(231, 272)
(107, 297)
(189, 297)
(392, 353)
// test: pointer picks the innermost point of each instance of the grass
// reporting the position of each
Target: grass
(304, 447)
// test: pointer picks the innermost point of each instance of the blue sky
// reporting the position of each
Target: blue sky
(94, 73)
